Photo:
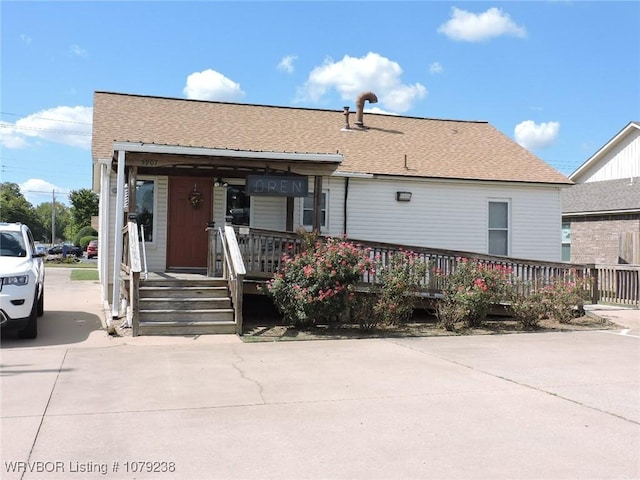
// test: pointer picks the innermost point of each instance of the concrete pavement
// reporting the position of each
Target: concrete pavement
(79, 404)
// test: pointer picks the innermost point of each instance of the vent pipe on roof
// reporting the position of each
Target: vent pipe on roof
(360, 106)
(346, 119)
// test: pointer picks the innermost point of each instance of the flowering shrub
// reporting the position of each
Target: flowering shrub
(470, 290)
(316, 285)
(530, 309)
(562, 297)
(397, 283)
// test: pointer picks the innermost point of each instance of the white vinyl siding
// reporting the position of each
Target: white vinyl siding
(269, 212)
(453, 215)
(623, 161)
(333, 188)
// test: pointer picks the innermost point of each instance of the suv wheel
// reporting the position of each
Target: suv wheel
(31, 330)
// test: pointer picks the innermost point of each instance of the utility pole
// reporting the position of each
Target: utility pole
(53, 219)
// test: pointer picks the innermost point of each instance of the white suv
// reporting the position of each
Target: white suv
(21, 280)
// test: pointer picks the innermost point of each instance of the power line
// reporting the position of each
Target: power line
(44, 118)
(66, 132)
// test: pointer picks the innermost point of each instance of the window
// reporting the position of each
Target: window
(566, 242)
(238, 205)
(498, 228)
(145, 193)
(307, 210)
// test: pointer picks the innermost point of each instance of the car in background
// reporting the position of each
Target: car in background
(21, 280)
(92, 249)
(41, 249)
(66, 249)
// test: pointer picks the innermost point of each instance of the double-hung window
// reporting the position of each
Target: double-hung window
(498, 227)
(307, 210)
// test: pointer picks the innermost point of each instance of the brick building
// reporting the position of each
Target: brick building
(601, 212)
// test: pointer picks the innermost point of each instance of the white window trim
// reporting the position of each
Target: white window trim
(509, 224)
(147, 178)
(326, 211)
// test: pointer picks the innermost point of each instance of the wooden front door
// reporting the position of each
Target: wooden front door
(189, 210)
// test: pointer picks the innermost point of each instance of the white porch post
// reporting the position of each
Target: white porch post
(103, 238)
(117, 256)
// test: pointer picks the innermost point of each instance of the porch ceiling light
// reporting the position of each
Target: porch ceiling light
(403, 196)
(220, 183)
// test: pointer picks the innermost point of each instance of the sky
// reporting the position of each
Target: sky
(561, 78)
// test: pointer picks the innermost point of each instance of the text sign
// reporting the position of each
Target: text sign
(276, 185)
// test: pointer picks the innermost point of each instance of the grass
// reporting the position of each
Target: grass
(82, 274)
(53, 264)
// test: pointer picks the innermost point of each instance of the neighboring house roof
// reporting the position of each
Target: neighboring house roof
(610, 196)
(390, 145)
(610, 146)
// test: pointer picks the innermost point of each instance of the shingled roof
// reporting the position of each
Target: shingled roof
(390, 145)
(620, 195)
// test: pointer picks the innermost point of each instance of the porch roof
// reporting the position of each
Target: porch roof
(389, 145)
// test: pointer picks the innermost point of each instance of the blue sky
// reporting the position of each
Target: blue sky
(559, 77)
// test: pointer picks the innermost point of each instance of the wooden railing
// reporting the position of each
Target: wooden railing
(619, 284)
(131, 266)
(233, 271)
(262, 251)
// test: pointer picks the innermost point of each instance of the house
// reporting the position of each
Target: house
(179, 165)
(601, 212)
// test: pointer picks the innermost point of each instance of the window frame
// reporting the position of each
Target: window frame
(154, 223)
(565, 241)
(490, 229)
(325, 224)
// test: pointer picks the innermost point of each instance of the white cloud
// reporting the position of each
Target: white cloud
(211, 85)
(533, 136)
(78, 51)
(379, 110)
(10, 137)
(38, 191)
(352, 76)
(66, 125)
(436, 68)
(286, 64)
(471, 27)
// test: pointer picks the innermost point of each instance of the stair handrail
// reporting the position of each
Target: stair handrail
(233, 271)
(144, 252)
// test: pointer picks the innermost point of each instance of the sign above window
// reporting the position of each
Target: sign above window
(277, 185)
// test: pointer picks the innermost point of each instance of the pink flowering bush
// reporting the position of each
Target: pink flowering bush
(398, 281)
(563, 298)
(317, 285)
(470, 291)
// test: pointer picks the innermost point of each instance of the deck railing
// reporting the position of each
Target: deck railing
(233, 271)
(262, 251)
(131, 266)
(618, 284)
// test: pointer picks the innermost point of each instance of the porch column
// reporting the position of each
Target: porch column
(117, 256)
(317, 203)
(133, 180)
(289, 223)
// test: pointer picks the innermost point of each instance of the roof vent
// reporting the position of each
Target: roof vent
(347, 127)
(371, 97)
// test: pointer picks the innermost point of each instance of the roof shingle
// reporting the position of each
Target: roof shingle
(391, 145)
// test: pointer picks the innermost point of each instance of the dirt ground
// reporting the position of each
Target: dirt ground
(262, 323)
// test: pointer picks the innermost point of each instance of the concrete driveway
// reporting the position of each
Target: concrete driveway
(79, 404)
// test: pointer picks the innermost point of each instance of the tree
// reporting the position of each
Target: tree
(84, 205)
(63, 219)
(14, 207)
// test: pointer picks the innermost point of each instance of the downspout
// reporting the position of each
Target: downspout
(117, 256)
(346, 196)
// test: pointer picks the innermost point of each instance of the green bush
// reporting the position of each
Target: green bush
(563, 298)
(528, 309)
(87, 231)
(317, 285)
(397, 283)
(84, 241)
(470, 291)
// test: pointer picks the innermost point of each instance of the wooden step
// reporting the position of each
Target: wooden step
(183, 291)
(179, 303)
(188, 316)
(185, 328)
